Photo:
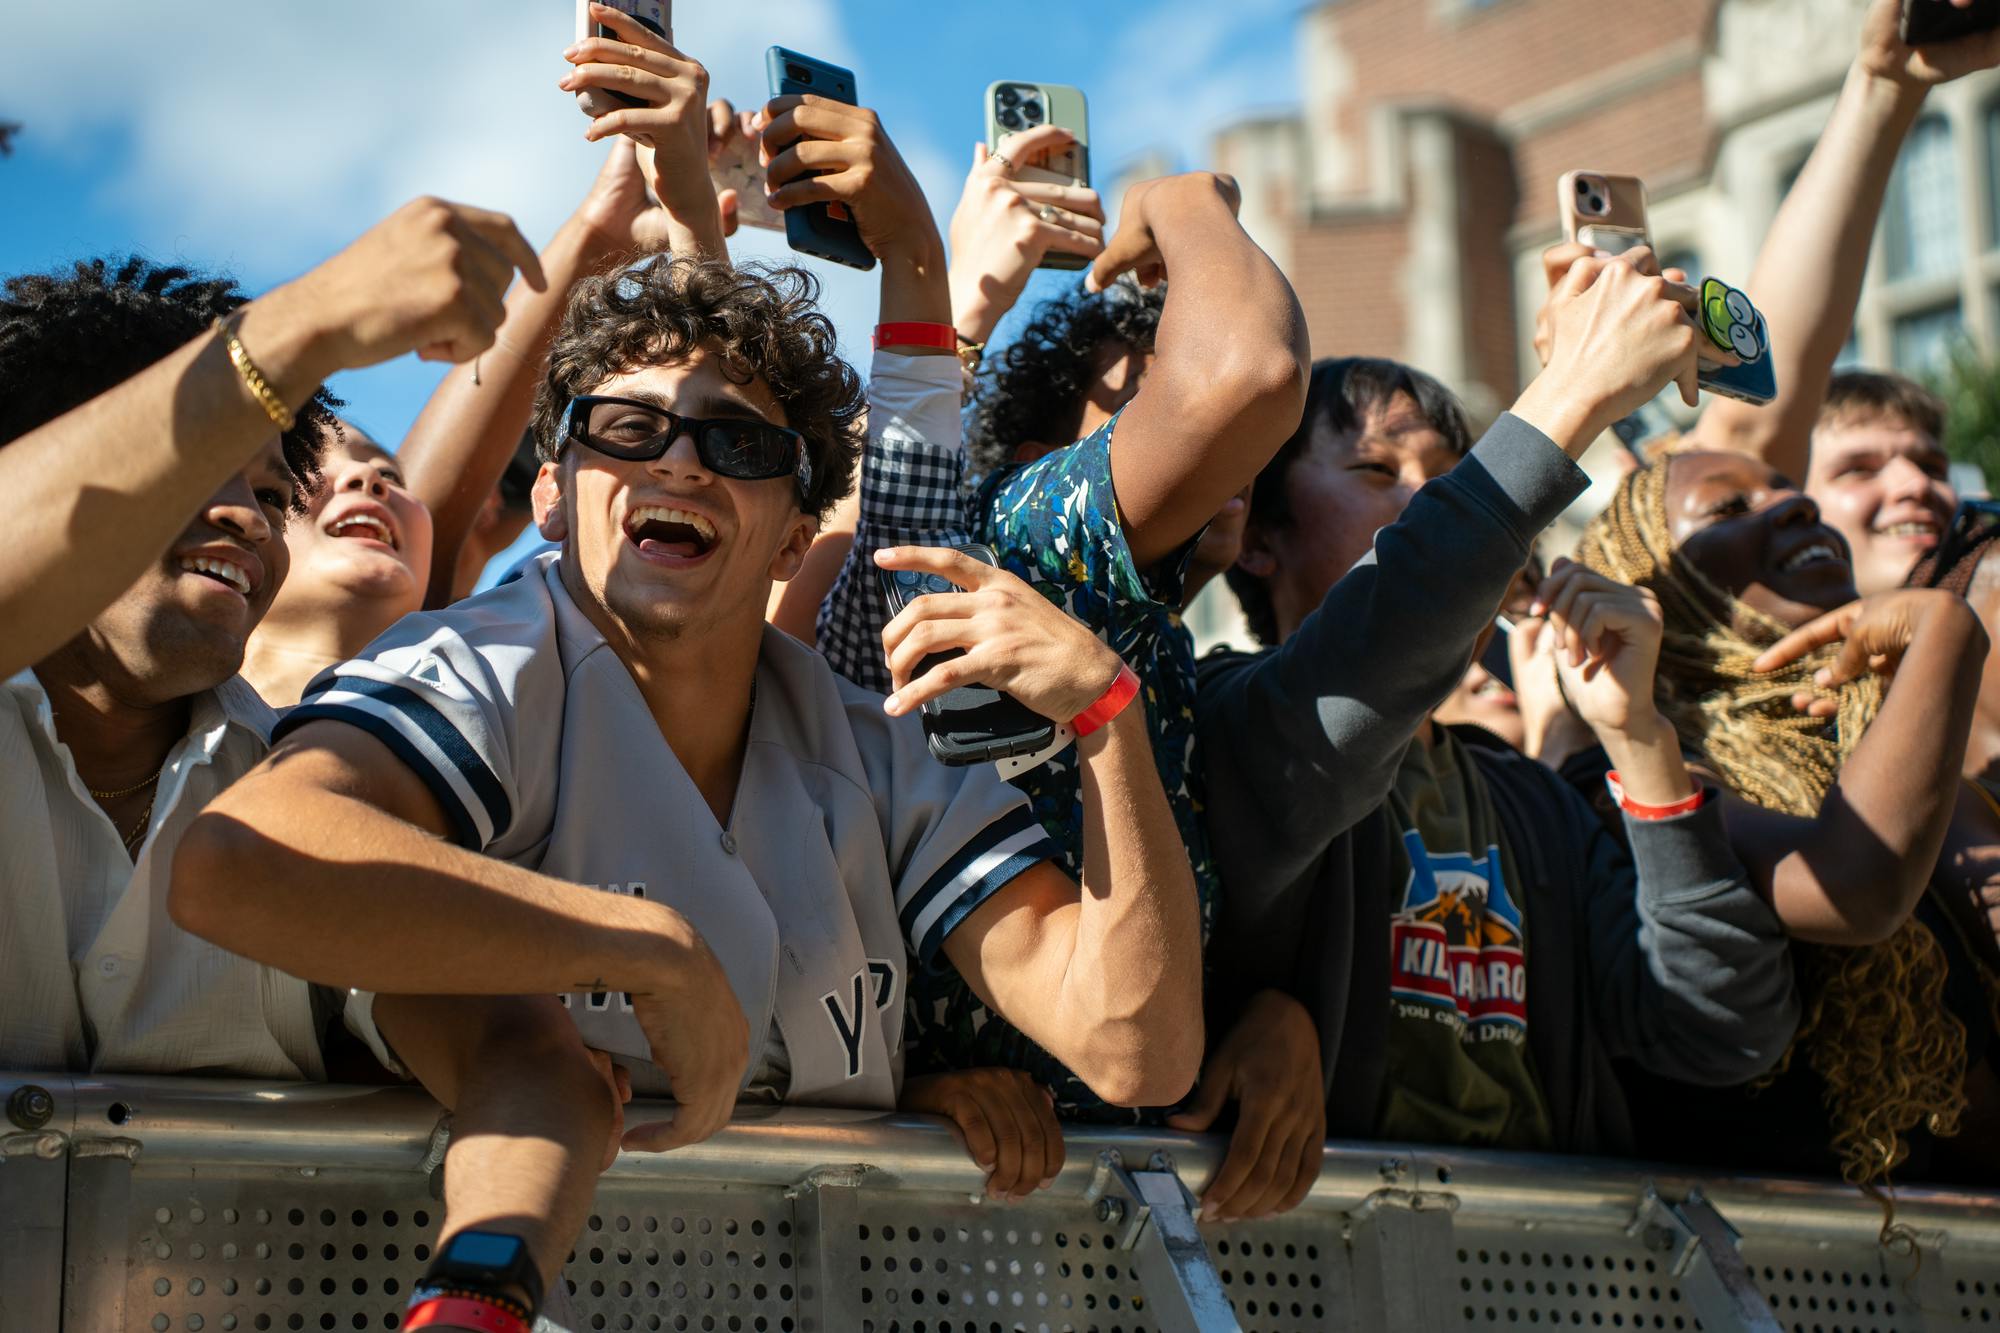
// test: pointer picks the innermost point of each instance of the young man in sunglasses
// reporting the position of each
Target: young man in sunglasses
(610, 778)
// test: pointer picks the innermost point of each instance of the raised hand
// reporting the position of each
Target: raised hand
(1885, 55)
(671, 118)
(429, 278)
(1873, 632)
(1134, 248)
(1013, 639)
(1557, 261)
(698, 1036)
(1607, 645)
(858, 167)
(1269, 1066)
(1004, 1119)
(1004, 228)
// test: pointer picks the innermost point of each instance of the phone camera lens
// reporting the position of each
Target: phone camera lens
(1008, 96)
(1595, 204)
(1009, 117)
(798, 74)
(1582, 186)
(1032, 111)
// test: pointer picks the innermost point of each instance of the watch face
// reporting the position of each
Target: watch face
(484, 1249)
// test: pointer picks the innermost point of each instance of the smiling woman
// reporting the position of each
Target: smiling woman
(360, 558)
(1839, 819)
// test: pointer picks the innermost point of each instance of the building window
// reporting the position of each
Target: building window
(1922, 341)
(1920, 223)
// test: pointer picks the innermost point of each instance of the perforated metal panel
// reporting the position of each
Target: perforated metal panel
(1567, 1282)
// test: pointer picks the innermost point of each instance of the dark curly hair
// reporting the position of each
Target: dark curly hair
(1339, 396)
(1034, 388)
(763, 319)
(65, 338)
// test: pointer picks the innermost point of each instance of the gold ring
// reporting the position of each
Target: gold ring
(1006, 163)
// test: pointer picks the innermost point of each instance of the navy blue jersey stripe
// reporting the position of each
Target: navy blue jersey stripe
(465, 831)
(972, 895)
(448, 739)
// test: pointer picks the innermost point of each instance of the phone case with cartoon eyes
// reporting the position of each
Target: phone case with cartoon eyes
(1726, 316)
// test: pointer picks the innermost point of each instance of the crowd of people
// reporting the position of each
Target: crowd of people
(658, 815)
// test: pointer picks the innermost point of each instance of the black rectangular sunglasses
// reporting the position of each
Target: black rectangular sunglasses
(639, 432)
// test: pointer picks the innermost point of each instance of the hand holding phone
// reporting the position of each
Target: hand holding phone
(817, 221)
(736, 169)
(1604, 212)
(1016, 112)
(830, 164)
(963, 632)
(1004, 228)
(656, 15)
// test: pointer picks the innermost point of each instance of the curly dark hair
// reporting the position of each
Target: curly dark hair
(65, 338)
(762, 318)
(1339, 396)
(1034, 388)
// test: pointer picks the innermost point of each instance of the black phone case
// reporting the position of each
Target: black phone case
(1926, 21)
(972, 724)
(815, 229)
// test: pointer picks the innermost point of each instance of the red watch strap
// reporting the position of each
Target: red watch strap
(1650, 813)
(912, 334)
(463, 1312)
(1110, 704)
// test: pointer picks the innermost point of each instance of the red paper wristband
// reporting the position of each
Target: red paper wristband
(1109, 704)
(1650, 813)
(463, 1312)
(941, 336)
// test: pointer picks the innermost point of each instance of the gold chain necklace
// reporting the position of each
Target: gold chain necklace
(126, 791)
(138, 833)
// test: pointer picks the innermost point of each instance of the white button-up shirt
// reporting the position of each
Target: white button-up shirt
(94, 975)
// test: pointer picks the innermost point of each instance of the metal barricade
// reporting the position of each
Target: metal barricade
(219, 1207)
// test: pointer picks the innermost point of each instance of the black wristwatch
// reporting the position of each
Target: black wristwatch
(488, 1263)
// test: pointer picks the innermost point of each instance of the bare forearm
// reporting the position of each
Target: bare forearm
(1136, 965)
(461, 443)
(1809, 271)
(1227, 384)
(337, 892)
(130, 465)
(1872, 849)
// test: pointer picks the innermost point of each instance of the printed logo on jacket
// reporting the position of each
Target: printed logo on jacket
(1456, 942)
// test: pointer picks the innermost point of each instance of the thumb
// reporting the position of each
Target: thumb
(1209, 1099)
(979, 154)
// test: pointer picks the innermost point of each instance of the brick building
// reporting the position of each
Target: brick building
(1410, 197)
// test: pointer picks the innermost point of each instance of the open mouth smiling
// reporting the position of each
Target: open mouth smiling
(669, 535)
(236, 577)
(364, 523)
(1818, 553)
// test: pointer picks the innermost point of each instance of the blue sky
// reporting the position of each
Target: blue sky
(260, 140)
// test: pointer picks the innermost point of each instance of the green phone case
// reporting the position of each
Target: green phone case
(1057, 104)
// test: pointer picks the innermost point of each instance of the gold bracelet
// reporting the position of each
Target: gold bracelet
(260, 388)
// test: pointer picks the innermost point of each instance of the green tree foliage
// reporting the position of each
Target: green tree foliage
(1969, 383)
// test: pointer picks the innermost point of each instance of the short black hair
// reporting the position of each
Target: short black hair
(66, 337)
(1034, 388)
(1339, 396)
(517, 483)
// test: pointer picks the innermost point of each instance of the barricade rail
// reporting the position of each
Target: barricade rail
(226, 1207)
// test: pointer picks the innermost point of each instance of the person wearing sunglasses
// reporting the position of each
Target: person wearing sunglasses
(611, 780)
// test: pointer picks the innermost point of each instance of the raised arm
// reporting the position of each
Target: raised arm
(913, 392)
(330, 861)
(1852, 874)
(131, 465)
(1106, 977)
(1809, 271)
(1228, 377)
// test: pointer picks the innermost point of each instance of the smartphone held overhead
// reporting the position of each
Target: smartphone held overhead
(1927, 21)
(655, 14)
(824, 230)
(1014, 106)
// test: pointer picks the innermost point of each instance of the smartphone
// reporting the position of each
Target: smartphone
(1731, 322)
(1607, 213)
(738, 167)
(972, 724)
(1926, 21)
(1013, 105)
(824, 231)
(655, 14)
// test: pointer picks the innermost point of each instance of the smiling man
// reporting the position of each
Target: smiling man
(1880, 473)
(610, 778)
(114, 741)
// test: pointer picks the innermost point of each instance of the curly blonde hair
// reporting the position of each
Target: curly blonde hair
(1875, 1029)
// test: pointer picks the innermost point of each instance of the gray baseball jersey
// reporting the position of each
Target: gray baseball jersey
(848, 847)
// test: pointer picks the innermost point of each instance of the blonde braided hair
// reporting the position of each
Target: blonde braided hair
(1875, 1028)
